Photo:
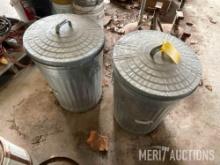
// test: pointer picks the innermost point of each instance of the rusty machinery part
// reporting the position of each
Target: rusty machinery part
(141, 12)
(182, 3)
(59, 159)
(5, 26)
(156, 17)
(175, 27)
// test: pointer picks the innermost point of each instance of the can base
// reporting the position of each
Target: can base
(89, 108)
(135, 131)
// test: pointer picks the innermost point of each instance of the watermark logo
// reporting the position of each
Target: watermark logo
(163, 153)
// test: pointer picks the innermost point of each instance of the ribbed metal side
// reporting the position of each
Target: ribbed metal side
(96, 13)
(77, 88)
(87, 3)
(137, 113)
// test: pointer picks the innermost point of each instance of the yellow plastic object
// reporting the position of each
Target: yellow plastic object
(62, 2)
(168, 49)
(3, 60)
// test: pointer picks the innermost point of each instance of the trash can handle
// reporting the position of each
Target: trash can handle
(58, 26)
(167, 49)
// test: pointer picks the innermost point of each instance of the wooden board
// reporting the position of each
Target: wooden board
(17, 55)
(150, 5)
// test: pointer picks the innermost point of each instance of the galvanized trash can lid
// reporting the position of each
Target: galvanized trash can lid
(63, 39)
(155, 76)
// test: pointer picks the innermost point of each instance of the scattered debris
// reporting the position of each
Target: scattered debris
(175, 27)
(135, 5)
(126, 4)
(193, 42)
(106, 49)
(130, 27)
(117, 30)
(107, 65)
(108, 74)
(97, 142)
(209, 87)
(201, 83)
(212, 20)
(107, 20)
(108, 28)
(15, 127)
(189, 23)
(105, 83)
(128, 7)
(186, 32)
(38, 139)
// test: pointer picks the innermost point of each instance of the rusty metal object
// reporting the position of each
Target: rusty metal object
(141, 13)
(187, 32)
(175, 27)
(150, 5)
(156, 17)
(182, 3)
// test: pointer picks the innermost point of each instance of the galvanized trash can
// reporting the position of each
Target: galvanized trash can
(67, 48)
(93, 9)
(146, 86)
(87, 3)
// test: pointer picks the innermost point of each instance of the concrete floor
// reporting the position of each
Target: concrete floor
(31, 118)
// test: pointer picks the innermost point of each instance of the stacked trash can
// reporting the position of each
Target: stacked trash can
(93, 9)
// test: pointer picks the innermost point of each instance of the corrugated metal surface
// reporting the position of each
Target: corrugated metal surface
(87, 3)
(96, 13)
(146, 87)
(137, 113)
(76, 88)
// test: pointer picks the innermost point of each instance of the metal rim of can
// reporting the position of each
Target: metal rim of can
(87, 10)
(125, 83)
(85, 3)
(7, 154)
(2, 153)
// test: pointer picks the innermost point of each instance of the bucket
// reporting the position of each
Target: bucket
(96, 13)
(24, 10)
(87, 3)
(62, 6)
(11, 154)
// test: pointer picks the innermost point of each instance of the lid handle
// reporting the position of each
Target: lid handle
(167, 49)
(58, 26)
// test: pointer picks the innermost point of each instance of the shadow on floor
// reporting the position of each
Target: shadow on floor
(129, 145)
